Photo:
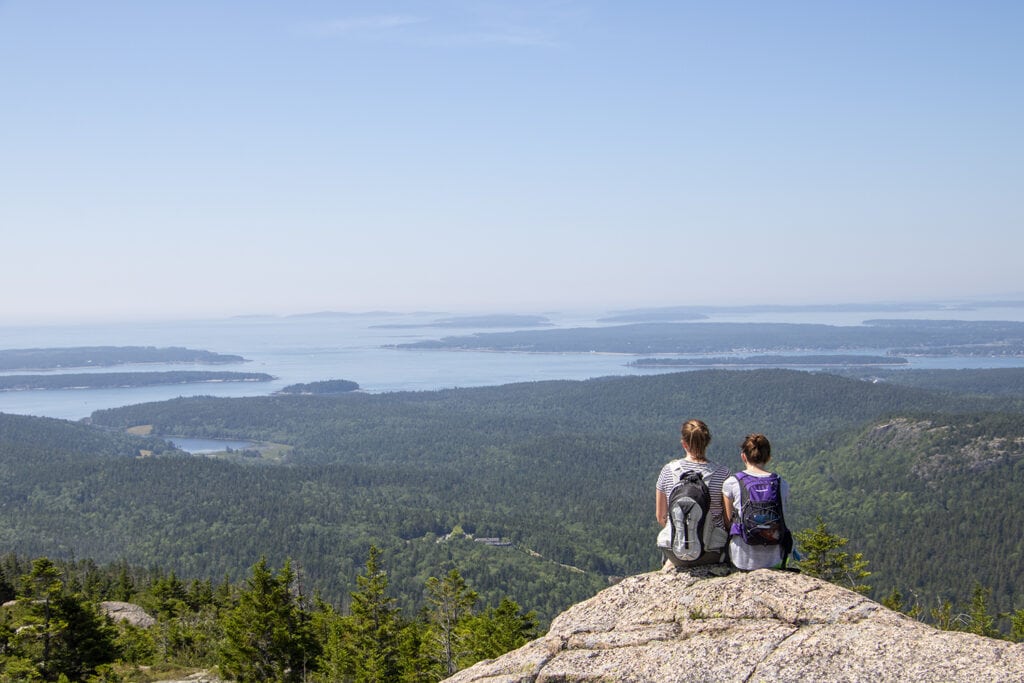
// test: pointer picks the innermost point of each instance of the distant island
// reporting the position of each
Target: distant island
(106, 356)
(770, 361)
(326, 388)
(123, 380)
(896, 337)
(683, 313)
(672, 314)
(342, 314)
(475, 321)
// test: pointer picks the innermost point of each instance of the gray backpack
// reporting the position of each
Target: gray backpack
(689, 506)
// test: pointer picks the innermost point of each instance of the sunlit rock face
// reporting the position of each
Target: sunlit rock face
(759, 626)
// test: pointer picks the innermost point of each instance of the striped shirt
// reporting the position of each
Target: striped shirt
(714, 475)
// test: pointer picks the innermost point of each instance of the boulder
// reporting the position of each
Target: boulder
(758, 626)
(127, 611)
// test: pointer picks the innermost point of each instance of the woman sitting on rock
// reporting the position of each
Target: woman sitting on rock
(754, 502)
(695, 440)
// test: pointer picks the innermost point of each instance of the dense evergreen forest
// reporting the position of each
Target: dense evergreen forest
(1007, 382)
(329, 386)
(541, 492)
(72, 620)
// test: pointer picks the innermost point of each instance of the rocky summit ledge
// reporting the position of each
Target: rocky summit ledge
(758, 626)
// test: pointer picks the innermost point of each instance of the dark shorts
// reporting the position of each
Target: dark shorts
(710, 557)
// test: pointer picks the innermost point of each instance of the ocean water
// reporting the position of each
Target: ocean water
(313, 348)
(207, 446)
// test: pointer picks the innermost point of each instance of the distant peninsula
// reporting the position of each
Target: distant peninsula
(477, 321)
(769, 361)
(896, 337)
(696, 312)
(329, 387)
(123, 380)
(107, 356)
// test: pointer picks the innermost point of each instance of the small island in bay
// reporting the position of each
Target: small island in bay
(123, 380)
(774, 361)
(107, 356)
(328, 387)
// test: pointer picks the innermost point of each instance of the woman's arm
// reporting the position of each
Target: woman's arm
(661, 507)
(727, 507)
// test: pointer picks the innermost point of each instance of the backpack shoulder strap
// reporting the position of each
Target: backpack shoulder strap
(677, 468)
(741, 479)
(787, 546)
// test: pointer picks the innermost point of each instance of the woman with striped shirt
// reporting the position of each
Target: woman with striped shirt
(695, 440)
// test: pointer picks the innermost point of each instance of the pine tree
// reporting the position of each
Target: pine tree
(450, 602)
(40, 589)
(979, 619)
(822, 558)
(331, 630)
(375, 625)
(1017, 626)
(167, 604)
(499, 630)
(199, 595)
(363, 647)
(267, 635)
(6, 588)
(124, 588)
(944, 618)
(85, 641)
(895, 602)
(62, 633)
(416, 652)
(169, 594)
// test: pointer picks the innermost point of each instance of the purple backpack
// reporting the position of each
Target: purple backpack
(761, 520)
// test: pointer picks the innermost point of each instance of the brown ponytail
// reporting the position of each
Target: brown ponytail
(757, 449)
(696, 437)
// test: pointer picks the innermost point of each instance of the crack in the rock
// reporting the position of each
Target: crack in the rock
(778, 645)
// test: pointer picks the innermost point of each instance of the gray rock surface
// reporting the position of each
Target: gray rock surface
(198, 677)
(758, 626)
(127, 611)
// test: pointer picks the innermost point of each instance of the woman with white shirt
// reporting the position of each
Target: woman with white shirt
(755, 452)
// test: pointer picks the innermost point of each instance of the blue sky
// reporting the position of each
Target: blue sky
(188, 158)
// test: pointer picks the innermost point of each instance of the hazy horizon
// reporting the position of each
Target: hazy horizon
(1012, 309)
(184, 160)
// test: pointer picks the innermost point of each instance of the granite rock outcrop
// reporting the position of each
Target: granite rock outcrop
(759, 626)
(127, 611)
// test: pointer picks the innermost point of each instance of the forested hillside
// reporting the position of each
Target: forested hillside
(103, 356)
(933, 500)
(114, 380)
(563, 471)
